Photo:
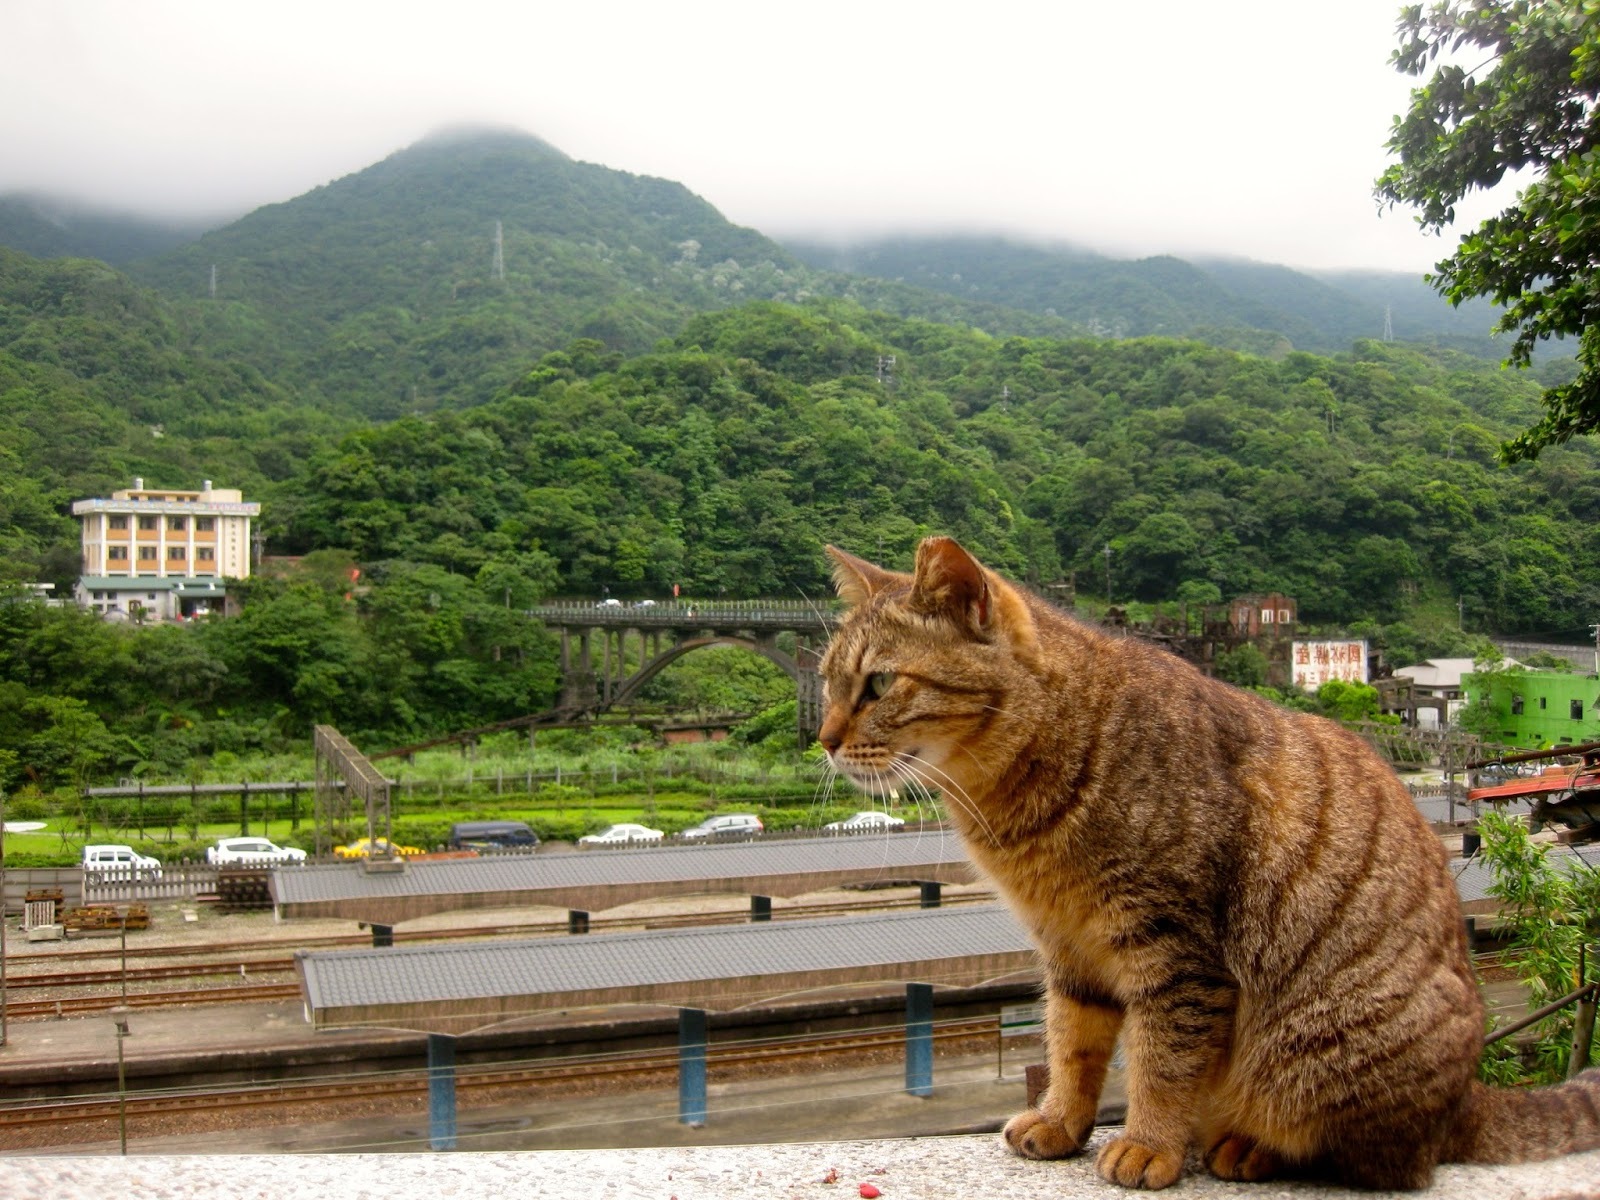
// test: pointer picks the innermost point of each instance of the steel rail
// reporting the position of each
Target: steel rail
(35, 1114)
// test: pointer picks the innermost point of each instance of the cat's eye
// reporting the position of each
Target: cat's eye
(878, 683)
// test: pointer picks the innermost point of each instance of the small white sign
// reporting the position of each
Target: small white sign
(1019, 1020)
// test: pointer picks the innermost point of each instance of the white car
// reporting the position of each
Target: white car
(119, 864)
(727, 825)
(620, 835)
(861, 821)
(252, 852)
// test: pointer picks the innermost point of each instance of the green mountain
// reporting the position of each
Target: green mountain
(432, 278)
(54, 227)
(1364, 484)
(1220, 301)
(100, 380)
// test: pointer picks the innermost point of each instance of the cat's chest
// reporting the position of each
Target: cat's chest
(1070, 918)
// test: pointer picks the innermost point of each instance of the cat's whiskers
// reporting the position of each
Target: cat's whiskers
(1003, 712)
(954, 792)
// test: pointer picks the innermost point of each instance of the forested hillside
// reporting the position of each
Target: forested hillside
(654, 399)
(1359, 483)
(99, 382)
(49, 227)
(381, 294)
(1230, 303)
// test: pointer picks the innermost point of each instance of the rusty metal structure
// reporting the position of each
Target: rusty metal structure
(344, 776)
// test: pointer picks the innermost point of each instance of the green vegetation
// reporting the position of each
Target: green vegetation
(1551, 914)
(571, 782)
(1524, 104)
(1239, 305)
(653, 399)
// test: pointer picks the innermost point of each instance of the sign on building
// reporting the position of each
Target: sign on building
(1315, 663)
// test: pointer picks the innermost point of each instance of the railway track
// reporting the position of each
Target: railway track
(481, 1082)
(93, 991)
(77, 1006)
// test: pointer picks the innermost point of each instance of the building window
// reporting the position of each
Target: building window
(205, 553)
(147, 523)
(1283, 616)
(117, 553)
(147, 554)
(1544, 702)
(117, 522)
(205, 524)
(176, 524)
(1575, 710)
(175, 553)
(1516, 706)
(1266, 616)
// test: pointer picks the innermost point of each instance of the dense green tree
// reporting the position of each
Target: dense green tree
(1523, 103)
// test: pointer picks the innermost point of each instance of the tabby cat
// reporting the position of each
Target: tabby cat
(1247, 895)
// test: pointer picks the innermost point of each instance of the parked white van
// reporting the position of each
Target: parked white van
(119, 863)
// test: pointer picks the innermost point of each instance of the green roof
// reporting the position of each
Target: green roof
(152, 583)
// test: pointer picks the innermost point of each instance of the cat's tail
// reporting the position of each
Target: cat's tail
(1508, 1125)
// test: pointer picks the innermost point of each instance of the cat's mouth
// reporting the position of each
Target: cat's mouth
(882, 776)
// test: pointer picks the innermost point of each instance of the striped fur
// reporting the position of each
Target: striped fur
(1245, 894)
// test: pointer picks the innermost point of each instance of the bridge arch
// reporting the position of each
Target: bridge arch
(765, 648)
(596, 642)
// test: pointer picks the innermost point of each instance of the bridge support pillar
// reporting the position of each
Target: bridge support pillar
(441, 1092)
(919, 1039)
(761, 908)
(930, 894)
(577, 921)
(692, 1067)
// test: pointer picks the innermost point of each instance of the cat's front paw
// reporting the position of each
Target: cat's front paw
(1034, 1135)
(1241, 1159)
(1133, 1164)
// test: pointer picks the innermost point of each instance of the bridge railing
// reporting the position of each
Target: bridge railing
(742, 614)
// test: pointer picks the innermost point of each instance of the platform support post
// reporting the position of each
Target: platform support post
(577, 921)
(919, 1039)
(761, 908)
(692, 1067)
(383, 935)
(930, 895)
(441, 1091)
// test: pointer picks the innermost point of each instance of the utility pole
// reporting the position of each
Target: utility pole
(1595, 629)
(499, 253)
(1108, 572)
(213, 281)
(1388, 324)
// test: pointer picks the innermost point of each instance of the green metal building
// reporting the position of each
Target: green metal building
(1539, 709)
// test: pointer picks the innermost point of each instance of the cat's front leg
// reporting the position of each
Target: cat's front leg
(1080, 1034)
(1176, 1033)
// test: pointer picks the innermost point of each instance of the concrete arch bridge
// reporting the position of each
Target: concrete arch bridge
(609, 652)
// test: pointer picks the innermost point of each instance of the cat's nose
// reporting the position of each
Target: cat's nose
(830, 742)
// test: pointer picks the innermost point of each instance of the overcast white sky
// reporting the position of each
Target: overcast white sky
(1240, 127)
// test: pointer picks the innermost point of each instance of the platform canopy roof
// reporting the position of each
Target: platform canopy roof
(457, 988)
(597, 880)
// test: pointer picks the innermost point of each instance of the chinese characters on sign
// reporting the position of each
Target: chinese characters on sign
(1315, 663)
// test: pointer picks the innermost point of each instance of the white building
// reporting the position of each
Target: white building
(159, 554)
(1440, 678)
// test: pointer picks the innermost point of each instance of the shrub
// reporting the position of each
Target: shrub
(27, 805)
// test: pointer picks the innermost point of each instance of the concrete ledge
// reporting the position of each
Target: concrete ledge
(954, 1168)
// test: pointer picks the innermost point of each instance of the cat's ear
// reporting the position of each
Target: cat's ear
(950, 582)
(855, 579)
